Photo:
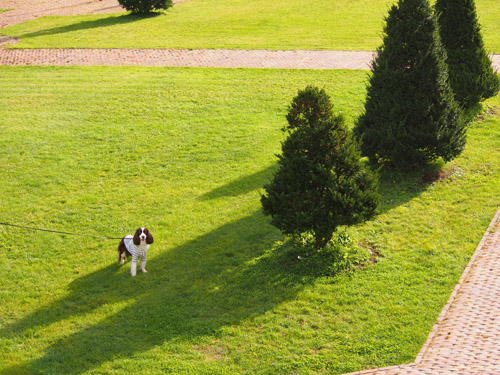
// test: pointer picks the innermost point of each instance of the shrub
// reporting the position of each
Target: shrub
(471, 75)
(410, 114)
(320, 183)
(145, 6)
(340, 254)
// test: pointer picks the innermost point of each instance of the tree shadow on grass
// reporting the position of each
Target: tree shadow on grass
(400, 187)
(242, 185)
(217, 280)
(85, 25)
(396, 187)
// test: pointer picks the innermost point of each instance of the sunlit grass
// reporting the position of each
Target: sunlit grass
(185, 152)
(238, 24)
(281, 24)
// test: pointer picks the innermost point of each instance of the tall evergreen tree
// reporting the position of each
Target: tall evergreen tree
(410, 114)
(471, 75)
(320, 183)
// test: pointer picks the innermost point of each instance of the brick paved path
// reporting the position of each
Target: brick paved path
(192, 58)
(24, 10)
(465, 340)
(195, 58)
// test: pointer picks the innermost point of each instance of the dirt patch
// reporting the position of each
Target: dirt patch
(435, 176)
(374, 253)
(491, 111)
(212, 353)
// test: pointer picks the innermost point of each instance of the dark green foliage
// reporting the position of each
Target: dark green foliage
(320, 183)
(145, 6)
(410, 114)
(471, 74)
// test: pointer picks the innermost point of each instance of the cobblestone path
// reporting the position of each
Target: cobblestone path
(464, 340)
(191, 58)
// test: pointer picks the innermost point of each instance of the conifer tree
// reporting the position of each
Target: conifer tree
(410, 114)
(471, 75)
(320, 183)
(145, 6)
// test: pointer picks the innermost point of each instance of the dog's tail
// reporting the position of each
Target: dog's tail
(121, 249)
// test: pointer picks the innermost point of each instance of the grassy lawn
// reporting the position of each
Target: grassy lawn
(185, 152)
(238, 24)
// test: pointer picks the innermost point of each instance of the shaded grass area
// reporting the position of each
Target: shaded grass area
(185, 152)
(234, 24)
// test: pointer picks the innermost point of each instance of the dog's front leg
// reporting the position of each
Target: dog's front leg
(143, 266)
(133, 268)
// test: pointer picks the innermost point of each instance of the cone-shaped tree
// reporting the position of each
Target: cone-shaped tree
(471, 74)
(410, 114)
(320, 183)
(145, 6)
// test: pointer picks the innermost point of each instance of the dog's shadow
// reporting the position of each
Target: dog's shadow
(216, 280)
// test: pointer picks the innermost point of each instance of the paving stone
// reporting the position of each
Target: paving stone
(465, 339)
(219, 58)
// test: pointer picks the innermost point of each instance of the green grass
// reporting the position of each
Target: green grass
(237, 24)
(186, 152)
(281, 24)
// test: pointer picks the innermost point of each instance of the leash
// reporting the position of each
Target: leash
(59, 232)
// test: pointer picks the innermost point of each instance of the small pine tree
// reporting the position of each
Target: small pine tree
(410, 114)
(471, 75)
(320, 183)
(145, 6)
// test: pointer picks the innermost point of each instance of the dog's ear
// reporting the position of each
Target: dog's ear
(137, 239)
(149, 237)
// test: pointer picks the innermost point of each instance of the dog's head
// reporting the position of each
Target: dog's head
(143, 235)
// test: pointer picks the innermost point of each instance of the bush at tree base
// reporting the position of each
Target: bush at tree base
(145, 6)
(471, 75)
(321, 182)
(410, 116)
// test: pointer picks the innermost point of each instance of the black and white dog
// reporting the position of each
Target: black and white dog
(137, 247)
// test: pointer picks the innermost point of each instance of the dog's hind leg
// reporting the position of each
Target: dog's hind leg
(122, 251)
(123, 256)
